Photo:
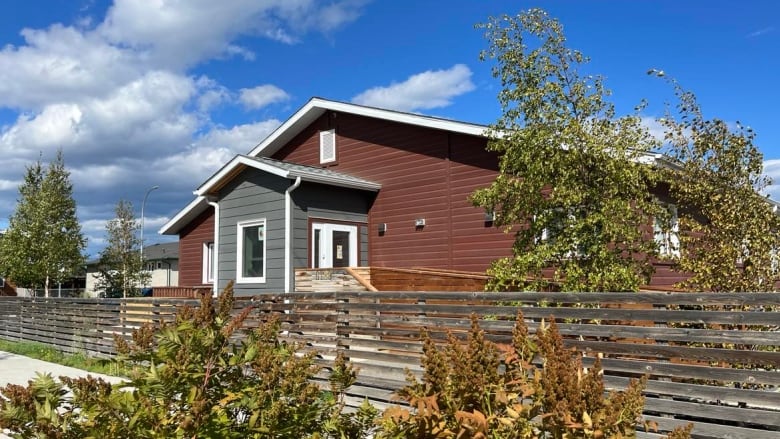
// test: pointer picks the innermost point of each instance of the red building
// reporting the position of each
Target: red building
(340, 184)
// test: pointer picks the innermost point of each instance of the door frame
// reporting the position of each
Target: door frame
(326, 226)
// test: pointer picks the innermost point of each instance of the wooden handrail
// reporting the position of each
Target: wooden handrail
(366, 284)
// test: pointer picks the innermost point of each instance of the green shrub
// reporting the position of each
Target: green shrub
(464, 393)
(201, 378)
(195, 378)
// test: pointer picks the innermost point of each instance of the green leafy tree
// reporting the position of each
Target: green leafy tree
(571, 184)
(120, 267)
(730, 232)
(43, 244)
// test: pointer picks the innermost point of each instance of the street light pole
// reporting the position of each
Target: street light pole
(143, 205)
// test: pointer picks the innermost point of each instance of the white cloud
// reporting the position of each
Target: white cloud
(204, 29)
(9, 184)
(772, 170)
(654, 127)
(262, 95)
(212, 94)
(423, 91)
(118, 95)
(62, 64)
(760, 32)
(240, 138)
(190, 166)
(142, 118)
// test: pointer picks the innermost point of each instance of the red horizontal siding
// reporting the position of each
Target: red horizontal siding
(191, 240)
(424, 173)
(665, 276)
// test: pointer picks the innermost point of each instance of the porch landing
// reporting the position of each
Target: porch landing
(387, 279)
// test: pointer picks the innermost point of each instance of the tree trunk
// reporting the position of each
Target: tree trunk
(46, 287)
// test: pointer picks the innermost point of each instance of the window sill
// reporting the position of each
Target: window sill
(250, 280)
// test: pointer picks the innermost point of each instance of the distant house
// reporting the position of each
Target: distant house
(7, 288)
(162, 261)
(344, 185)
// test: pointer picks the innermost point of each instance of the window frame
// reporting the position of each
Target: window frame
(550, 235)
(667, 239)
(207, 269)
(240, 226)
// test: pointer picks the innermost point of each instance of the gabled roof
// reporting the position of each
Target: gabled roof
(185, 216)
(154, 252)
(316, 107)
(275, 167)
(302, 118)
(168, 250)
(293, 126)
(284, 170)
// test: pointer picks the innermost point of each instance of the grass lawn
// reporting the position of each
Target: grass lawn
(47, 353)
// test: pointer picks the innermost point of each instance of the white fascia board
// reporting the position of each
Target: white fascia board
(336, 181)
(184, 216)
(407, 118)
(291, 127)
(317, 106)
(237, 161)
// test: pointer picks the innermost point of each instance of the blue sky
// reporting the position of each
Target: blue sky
(157, 92)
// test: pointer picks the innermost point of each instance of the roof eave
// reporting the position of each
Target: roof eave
(317, 107)
(184, 217)
(340, 182)
(231, 168)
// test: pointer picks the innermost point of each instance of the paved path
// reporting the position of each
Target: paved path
(16, 369)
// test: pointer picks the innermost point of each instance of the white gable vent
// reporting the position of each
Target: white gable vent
(327, 146)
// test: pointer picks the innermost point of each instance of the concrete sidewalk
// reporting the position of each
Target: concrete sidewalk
(16, 369)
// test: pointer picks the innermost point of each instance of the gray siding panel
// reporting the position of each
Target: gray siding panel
(254, 195)
(300, 237)
(320, 202)
(250, 196)
(328, 202)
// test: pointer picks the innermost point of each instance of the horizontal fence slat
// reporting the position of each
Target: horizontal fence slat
(710, 358)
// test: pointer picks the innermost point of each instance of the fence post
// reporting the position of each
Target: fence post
(342, 322)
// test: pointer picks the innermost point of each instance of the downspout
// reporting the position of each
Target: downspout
(288, 239)
(215, 258)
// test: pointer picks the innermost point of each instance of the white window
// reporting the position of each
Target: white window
(556, 226)
(250, 267)
(208, 262)
(327, 146)
(666, 231)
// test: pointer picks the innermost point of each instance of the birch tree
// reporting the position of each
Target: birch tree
(570, 186)
(120, 267)
(730, 231)
(44, 244)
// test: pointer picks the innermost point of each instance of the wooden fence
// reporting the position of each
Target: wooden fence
(181, 292)
(78, 325)
(711, 359)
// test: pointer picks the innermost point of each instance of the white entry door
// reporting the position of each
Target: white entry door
(334, 245)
